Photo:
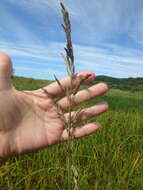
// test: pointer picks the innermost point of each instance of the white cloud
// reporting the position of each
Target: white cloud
(98, 59)
(38, 73)
(13, 29)
(99, 21)
(94, 23)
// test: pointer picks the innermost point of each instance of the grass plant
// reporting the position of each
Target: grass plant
(108, 160)
(72, 172)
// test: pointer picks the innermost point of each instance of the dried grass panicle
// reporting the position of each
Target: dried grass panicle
(69, 58)
(70, 67)
(69, 48)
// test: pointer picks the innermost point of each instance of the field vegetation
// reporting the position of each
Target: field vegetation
(111, 159)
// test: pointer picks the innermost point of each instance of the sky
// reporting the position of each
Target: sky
(107, 37)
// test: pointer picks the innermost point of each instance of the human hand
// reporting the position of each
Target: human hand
(30, 119)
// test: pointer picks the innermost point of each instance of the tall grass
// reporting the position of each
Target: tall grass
(108, 160)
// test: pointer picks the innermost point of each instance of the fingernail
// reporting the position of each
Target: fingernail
(81, 75)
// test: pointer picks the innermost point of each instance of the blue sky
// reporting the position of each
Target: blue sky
(107, 36)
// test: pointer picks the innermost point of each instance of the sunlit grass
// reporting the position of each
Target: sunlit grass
(110, 159)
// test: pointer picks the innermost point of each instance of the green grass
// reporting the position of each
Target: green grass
(111, 159)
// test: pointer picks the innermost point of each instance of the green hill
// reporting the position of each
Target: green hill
(127, 84)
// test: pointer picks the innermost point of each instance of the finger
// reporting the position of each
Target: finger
(83, 96)
(55, 90)
(5, 71)
(82, 131)
(87, 113)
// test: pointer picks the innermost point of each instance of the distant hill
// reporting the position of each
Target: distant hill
(130, 84)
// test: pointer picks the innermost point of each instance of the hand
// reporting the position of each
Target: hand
(30, 119)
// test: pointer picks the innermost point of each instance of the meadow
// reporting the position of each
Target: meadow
(111, 159)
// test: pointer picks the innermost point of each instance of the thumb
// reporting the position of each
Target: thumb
(5, 71)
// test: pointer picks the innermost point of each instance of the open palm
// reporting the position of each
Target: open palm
(30, 120)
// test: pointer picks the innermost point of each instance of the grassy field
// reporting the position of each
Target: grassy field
(111, 159)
